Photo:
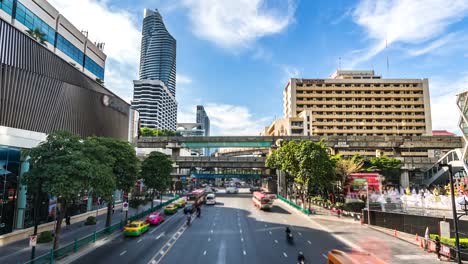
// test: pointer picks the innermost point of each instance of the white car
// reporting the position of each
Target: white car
(210, 199)
(232, 190)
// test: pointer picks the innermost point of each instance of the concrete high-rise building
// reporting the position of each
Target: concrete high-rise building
(154, 93)
(203, 118)
(354, 103)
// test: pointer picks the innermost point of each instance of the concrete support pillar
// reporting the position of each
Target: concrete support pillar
(404, 179)
(175, 153)
(22, 192)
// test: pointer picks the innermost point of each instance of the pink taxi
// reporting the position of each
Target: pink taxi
(155, 218)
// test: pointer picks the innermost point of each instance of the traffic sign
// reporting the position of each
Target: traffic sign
(125, 206)
(32, 241)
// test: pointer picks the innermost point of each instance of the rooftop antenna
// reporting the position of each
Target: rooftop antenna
(339, 63)
(388, 63)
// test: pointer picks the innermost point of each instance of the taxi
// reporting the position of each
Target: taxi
(170, 209)
(155, 218)
(135, 228)
(180, 203)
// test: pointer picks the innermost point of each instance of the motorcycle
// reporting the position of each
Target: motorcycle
(289, 237)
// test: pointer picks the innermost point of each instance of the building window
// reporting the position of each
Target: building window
(7, 6)
(69, 49)
(94, 68)
(32, 22)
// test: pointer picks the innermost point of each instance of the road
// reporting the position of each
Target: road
(19, 252)
(234, 231)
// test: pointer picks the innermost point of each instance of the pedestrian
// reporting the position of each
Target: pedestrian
(67, 220)
(437, 246)
(113, 208)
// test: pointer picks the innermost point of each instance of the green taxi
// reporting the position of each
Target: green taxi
(180, 203)
(170, 209)
(135, 228)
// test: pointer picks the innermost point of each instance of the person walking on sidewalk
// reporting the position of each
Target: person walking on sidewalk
(437, 246)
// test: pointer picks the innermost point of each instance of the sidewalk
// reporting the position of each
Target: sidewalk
(378, 241)
(19, 252)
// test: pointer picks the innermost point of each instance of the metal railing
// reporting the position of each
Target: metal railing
(452, 157)
(74, 246)
(291, 203)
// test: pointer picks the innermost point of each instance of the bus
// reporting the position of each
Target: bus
(196, 197)
(262, 201)
(339, 257)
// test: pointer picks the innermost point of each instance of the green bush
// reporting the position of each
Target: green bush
(45, 237)
(450, 241)
(354, 207)
(91, 220)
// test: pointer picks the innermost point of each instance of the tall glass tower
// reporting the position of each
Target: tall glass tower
(154, 92)
(158, 51)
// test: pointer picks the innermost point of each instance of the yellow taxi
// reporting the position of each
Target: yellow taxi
(180, 203)
(135, 228)
(170, 209)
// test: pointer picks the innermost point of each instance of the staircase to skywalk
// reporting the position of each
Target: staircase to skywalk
(439, 175)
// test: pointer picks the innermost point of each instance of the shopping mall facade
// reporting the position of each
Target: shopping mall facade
(42, 92)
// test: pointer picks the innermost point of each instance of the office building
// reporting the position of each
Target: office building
(203, 119)
(354, 103)
(60, 36)
(154, 92)
(41, 92)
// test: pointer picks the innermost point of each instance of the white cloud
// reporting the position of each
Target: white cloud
(183, 79)
(443, 102)
(433, 45)
(232, 120)
(406, 21)
(117, 29)
(234, 24)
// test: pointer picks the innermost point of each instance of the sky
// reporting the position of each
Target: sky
(235, 57)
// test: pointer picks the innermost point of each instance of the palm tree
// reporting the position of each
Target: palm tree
(345, 167)
(38, 35)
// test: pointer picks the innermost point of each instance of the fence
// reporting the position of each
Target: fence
(91, 238)
(303, 210)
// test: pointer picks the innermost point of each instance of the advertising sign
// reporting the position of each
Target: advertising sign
(32, 241)
(125, 206)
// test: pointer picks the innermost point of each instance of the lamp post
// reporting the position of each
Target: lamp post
(454, 210)
(368, 203)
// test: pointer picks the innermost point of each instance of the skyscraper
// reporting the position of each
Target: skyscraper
(154, 92)
(203, 119)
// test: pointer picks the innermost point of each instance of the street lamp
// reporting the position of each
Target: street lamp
(454, 210)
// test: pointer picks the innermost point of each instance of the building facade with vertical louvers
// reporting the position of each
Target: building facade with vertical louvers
(40, 93)
(155, 91)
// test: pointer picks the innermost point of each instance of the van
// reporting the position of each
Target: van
(210, 199)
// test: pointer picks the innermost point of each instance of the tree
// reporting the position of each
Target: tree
(37, 35)
(285, 159)
(64, 166)
(316, 168)
(154, 132)
(389, 167)
(156, 172)
(345, 167)
(124, 166)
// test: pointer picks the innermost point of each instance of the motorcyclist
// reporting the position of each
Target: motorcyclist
(189, 218)
(301, 258)
(288, 234)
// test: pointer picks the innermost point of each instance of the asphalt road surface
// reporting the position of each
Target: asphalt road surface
(234, 231)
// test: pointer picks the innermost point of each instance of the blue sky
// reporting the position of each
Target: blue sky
(235, 57)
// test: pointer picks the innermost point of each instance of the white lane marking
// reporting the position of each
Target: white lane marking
(269, 232)
(299, 233)
(323, 255)
(204, 253)
(308, 241)
(125, 251)
(240, 231)
(140, 240)
(160, 235)
(161, 252)
(209, 239)
(266, 225)
(242, 239)
(245, 253)
(211, 231)
(276, 241)
(284, 254)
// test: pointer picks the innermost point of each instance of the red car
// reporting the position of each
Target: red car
(155, 218)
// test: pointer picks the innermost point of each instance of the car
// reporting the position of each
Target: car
(180, 203)
(170, 209)
(255, 189)
(210, 199)
(135, 228)
(232, 190)
(155, 218)
(189, 208)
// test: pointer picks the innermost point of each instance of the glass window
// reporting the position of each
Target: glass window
(32, 22)
(94, 68)
(69, 49)
(7, 6)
